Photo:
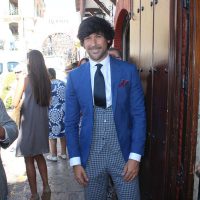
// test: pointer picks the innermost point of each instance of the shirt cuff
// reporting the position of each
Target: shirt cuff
(75, 161)
(6, 140)
(135, 156)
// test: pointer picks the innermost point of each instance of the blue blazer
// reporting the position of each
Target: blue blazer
(127, 105)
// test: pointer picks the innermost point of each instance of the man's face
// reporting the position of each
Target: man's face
(96, 46)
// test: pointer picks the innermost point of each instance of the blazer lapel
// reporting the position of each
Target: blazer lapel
(86, 85)
(115, 80)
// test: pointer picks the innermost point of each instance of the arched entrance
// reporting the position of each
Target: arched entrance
(122, 34)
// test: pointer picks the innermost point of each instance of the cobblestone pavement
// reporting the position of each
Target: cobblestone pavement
(61, 179)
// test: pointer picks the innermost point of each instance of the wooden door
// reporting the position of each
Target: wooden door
(155, 33)
(164, 46)
(146, 74)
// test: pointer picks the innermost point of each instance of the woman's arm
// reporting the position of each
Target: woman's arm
(19, 91)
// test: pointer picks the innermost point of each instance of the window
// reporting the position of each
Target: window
(13, 7)
(11, 65)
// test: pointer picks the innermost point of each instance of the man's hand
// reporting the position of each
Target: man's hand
(2, 133)
(131, 170)
(80, 175)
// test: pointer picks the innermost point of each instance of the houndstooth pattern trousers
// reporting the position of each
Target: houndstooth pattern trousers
(106, 159)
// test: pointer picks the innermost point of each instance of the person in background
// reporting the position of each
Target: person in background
(116, 53)
(33, 139)
(74, 65)
(56, 117)
(109, 94)
(18, 71)
(82, 61)
(70, 67)
(8, 134)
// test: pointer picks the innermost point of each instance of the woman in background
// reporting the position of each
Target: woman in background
(33, 132)
(56, 117)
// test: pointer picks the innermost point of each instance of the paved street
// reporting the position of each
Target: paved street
(61, 180)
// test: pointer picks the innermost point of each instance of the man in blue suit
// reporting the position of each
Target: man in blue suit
(108, 94)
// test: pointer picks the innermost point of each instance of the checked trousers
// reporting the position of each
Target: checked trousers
(106, 159)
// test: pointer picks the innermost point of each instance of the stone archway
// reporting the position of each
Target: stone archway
(121, 23)
(60, 45)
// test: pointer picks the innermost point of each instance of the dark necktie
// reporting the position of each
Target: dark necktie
(99, 88)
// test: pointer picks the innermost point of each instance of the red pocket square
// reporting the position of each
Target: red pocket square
(123, 83)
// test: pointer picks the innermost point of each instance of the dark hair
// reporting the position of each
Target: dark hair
(74, 65)
(95, 25)
(83, 60)
(115, 50)
(71, 66)
(39, 79)
(52, 73)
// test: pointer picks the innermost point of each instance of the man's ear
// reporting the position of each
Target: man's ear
(82, 44)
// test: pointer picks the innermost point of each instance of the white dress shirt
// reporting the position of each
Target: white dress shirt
(105, 69)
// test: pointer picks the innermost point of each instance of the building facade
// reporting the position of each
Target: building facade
(17, 22)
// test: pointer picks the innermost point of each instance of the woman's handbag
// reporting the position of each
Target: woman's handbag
(16, 112)
(18, 97)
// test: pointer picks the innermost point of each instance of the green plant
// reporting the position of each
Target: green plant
(7, 93)
(8, 103)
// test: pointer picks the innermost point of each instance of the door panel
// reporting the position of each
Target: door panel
(155, 18)
(161, 32)
(146, 42)
(158, 132)
(135, 35)
(160, 96)
(146, 75)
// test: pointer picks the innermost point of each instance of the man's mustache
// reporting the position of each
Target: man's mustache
(94, 48)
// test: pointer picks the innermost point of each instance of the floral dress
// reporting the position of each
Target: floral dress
(57, 109)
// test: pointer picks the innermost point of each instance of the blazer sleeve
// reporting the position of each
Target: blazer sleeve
(9, 125)
(138, 114)
(72, 119)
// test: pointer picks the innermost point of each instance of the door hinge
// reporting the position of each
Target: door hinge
(179, 176)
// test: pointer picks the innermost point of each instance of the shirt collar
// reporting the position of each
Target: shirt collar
(104, 62)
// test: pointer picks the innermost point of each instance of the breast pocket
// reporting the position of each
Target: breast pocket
(123, 94)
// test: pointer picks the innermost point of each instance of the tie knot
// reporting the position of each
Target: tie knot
(99, 65)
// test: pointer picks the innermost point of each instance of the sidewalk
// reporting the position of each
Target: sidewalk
(61, 180)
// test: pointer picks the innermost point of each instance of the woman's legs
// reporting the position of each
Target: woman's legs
(53, 146)
(42, 169)
(53, 150)
(63, 145)
(31, 174)
(42, 166)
